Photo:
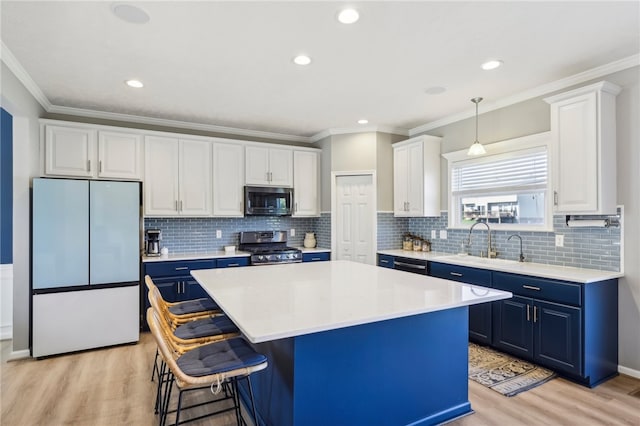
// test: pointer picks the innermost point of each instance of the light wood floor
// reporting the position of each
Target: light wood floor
(112, 387)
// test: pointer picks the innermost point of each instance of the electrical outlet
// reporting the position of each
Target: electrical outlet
(560, 240)
(443, 234)
(292, 232)
(218, 233)
(433, 234)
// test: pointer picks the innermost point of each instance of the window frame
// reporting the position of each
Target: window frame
(538, 140)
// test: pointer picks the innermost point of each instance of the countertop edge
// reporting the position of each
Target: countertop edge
(220, 254)
(541, 270)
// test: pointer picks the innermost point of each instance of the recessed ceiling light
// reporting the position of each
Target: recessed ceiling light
(435, 90)
(134, 83)
(302, 60)
(348, 16)
(130, 13)
(491, 65)
(363, 121)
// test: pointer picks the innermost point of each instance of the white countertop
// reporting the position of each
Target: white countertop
(280, 301)
(314, 250)
(195, 256)
(565, 273)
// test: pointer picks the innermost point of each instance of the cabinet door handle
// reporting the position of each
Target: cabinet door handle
(100, 166)
(182, 268)
(408, 205)
(88, 165)
(530, 287)
(233, 264)
(180, 205)
(384, 261)
(555, 198)
(455, 274)
(176, 205)
(535, 314)
(315, 258)
(528, 313)
(295, 209)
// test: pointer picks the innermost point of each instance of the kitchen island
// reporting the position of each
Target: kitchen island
(352, 344)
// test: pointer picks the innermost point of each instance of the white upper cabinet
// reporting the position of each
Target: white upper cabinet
(78, 150)
(119, 155)
(228, 179)
(177, 177)
(268, 166)
(583, 131)
(69, 151)
(416, 177)
(306, 183)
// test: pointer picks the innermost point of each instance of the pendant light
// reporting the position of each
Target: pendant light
(476, 148)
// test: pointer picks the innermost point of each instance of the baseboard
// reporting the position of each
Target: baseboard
(6, 332)
(629, 371)
(16, 355)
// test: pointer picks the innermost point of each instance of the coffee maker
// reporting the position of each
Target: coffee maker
(152, 239)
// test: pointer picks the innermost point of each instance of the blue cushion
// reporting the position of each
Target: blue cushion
(206, 327)
(194, 306)
(219, 357)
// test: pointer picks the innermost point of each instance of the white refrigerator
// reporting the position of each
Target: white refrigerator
(85, 265)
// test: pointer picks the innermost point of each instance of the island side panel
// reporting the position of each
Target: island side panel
(410, 370)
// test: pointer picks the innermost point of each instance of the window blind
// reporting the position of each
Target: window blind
(513, 171)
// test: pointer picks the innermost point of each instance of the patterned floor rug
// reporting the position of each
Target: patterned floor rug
(504, 373)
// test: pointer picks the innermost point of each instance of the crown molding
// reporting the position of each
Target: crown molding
(176, 124)
(23, 76)
(359, 129)
(610, 68)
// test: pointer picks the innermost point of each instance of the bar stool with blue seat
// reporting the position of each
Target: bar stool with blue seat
(217, 363)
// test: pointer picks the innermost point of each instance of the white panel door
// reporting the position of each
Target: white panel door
(576, 162)
(306, 183)
(195, 178)
(415, 175)
(256, 165)
(400, 181)
(161, 176)
(119, 155)
(354, 221)
(281, 167)
(70, 151)
(228, 180)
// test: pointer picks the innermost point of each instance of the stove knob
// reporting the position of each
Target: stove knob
(261, 257)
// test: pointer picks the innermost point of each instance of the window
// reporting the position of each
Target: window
(507, 188)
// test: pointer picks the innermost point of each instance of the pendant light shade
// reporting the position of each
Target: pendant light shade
(476, 148)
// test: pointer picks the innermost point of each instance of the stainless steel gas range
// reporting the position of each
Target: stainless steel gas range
(269, 247)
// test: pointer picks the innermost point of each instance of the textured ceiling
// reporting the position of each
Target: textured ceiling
(229, 63)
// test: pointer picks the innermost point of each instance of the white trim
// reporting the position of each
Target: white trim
(362, 129)
(23, 76)
(6, 301)
(629, 371)
(16, 355)
(620, 65)
(374, 201)
(385, 211)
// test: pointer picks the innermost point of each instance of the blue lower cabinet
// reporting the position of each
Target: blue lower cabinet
(557, 339)
(316, 257)
(385, 261)
(480, 316)
(233, 262)
(513, 332)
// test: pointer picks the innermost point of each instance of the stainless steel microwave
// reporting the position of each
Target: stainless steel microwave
(267, 201)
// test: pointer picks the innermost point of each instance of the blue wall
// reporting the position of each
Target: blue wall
(6, 187)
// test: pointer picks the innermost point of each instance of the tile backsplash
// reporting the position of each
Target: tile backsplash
(594, 248)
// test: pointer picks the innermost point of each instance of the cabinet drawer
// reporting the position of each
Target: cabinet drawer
(232, 262)
(315, 257)
(539, 288)
(180, 267)
(385, 261)
(461, 274)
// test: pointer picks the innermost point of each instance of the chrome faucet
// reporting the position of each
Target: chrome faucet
(521, 259)
(491, 252)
